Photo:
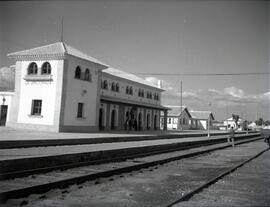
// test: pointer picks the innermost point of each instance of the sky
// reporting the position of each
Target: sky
(160, 40)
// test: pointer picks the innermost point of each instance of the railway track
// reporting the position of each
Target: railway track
(37, 165)
(213, 180)
(40, 183)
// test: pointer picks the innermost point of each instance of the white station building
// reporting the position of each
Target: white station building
(59, 88)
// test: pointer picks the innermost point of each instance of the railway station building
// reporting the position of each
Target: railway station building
(59, 88)
(182, 118)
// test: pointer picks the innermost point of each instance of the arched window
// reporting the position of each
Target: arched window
(46, 68)
(32, 69)
(117, 87)
(87, 75)
(127, 90)
(150, 95)
(78, 72)
(105, 84)
(130, 90)
(142, 93)
(139, 93)
(113, 86)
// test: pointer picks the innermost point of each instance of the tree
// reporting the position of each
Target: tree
(236, 119)
(259, 122)
(267, 123)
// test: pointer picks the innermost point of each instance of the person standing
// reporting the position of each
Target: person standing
(231, 136)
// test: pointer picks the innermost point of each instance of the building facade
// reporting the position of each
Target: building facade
(178, 118)
(201, 120)
(59, 88)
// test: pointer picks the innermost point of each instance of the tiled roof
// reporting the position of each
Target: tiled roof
(129, 76)
(200, 114)
(119, 100)
(175, 110)
(58, 48)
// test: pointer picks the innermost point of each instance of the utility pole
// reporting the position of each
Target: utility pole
(62, 29)
(181, 105)
(209, 104)
(227, 115)
(256, 112)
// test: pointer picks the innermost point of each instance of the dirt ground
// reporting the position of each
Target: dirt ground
(163, 184)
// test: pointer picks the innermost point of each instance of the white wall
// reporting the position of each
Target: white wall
(80, 91)
(122, 90)
(44, 90)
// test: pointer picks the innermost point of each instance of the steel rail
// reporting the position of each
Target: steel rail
(41, 188)
(212, 181)
(173, 147)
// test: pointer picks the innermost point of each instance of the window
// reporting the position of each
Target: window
(117, 87)
(156, 96)
(169, 120)
(127, 90)
(130, 90)
(105, 84)
(113, 86)
(46, 68)
(36, 107)
(32, 69)
(141, 93)
(87, 75)
(78, 72)
(80, 110)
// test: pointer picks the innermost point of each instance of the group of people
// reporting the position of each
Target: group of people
(132, 124)
(231, 138)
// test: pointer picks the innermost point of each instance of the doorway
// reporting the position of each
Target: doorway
(3, 115)
(148, 121)
(113, 116)
(101, 119)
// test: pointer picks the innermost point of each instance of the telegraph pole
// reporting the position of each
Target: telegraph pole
(181, 105)
(208, 134)
(62, 29)
(227, 114)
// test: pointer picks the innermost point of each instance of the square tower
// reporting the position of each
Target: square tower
(56, 89)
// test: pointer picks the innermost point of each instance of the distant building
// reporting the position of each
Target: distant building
(178, 118)
(59, 88)
(231, 123)
(200, 119)
(181, 118)
(219, 125)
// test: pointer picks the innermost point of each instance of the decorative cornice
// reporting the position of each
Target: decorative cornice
(56, 56)
(38, 78)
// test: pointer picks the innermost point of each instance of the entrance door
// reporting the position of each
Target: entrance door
(140, 121)
(113, 119)
(3, 115)
(155, 121)
(148, 121)
(100, 122)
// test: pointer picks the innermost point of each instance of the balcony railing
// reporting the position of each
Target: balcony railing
(43, 77)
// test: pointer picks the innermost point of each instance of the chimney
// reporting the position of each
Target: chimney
(159, 84)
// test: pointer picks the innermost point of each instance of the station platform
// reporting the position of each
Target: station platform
(19, 159)
(16, 138)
